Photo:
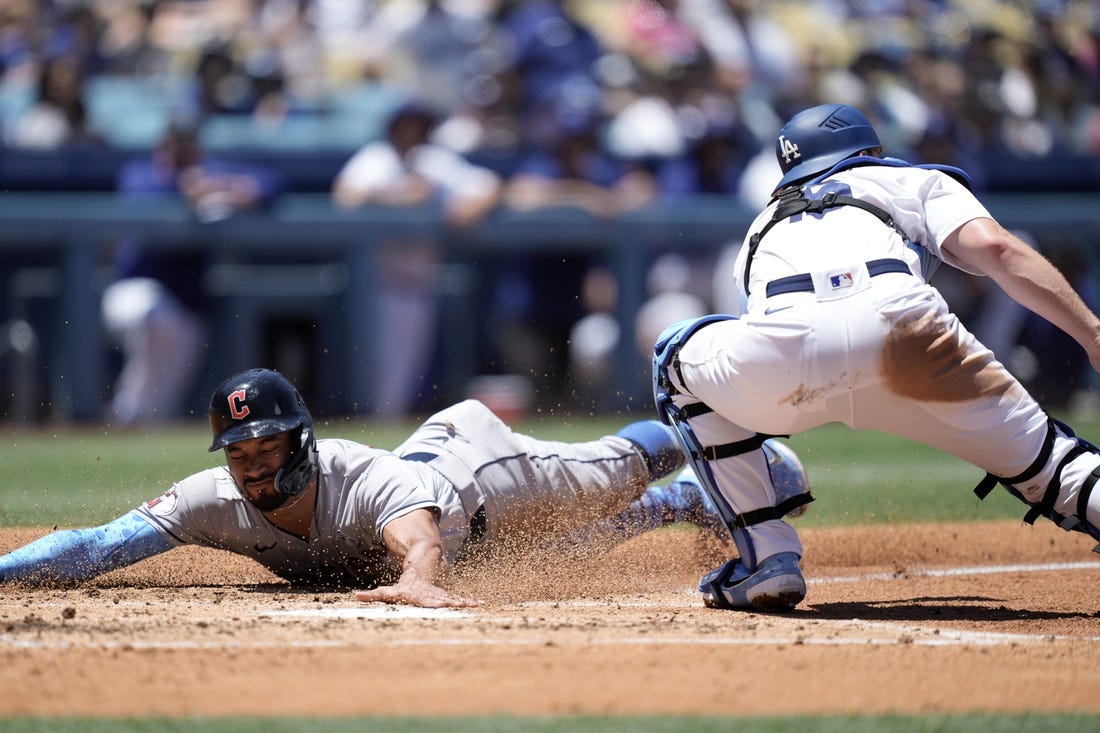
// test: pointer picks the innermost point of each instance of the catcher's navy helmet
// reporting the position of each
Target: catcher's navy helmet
(262, 402)
(816, 139)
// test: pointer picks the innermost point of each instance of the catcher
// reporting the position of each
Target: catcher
(839, 324)
(336, 512)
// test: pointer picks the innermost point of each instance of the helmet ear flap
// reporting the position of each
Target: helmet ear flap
(293, 478)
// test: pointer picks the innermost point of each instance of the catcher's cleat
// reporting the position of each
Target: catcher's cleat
(775, 586)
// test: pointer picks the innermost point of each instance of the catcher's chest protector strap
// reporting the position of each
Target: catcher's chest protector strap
(793, 202)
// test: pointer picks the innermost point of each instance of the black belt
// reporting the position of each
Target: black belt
(805, 282)
(478, 527)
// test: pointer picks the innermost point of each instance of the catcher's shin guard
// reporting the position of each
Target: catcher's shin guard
(1059, 484)
(703, 458)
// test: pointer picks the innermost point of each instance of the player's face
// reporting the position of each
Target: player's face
(254, 463)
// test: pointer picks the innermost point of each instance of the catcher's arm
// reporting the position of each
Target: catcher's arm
(74, 555)
(1028, 278)
(414, 540)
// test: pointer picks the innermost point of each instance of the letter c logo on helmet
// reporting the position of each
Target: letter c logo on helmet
(261, 402)
(255, 403)
(238, 410)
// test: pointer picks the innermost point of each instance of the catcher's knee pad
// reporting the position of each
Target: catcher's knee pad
(1059, 484)
(788, 477)
(665, 360)
(658, 444)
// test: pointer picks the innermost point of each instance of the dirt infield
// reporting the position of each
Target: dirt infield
(994, 617)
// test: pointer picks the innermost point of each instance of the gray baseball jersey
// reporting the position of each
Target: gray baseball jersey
(463, 462)
(359, 490)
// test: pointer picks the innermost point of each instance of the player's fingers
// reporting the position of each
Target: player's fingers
(438, 598)
(378, 595)
(441, 599)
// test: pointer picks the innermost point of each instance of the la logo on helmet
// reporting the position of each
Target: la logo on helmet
(237, 407)
(788, 149)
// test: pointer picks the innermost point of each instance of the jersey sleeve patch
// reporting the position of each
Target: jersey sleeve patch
(163, 505)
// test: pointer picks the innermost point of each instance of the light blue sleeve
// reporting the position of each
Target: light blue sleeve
(75, 555)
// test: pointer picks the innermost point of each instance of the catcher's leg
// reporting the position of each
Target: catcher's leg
(1059, 484)
(733, 468)
(685, 500)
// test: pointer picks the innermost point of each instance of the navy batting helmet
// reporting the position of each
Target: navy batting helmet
(816, 139)
(262, 402)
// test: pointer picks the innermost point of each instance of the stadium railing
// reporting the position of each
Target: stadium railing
(70, 234)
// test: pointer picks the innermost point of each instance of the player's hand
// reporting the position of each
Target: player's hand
(414, 540)
(424, 595)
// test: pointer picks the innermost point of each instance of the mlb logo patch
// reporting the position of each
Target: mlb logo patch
(841, 280)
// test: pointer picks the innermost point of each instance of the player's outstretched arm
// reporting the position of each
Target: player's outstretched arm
(74, 555)
(414, 540)
(1028, 278)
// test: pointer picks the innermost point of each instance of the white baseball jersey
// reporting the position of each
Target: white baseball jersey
(462, 460)
(876, 352)
(925, 204)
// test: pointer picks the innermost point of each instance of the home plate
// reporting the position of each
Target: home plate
(373, 611)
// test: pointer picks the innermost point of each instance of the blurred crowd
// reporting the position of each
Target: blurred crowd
(659, 79)
(598, 104)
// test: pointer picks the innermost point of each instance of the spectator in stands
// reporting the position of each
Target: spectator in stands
(1030, 72)
(57, 118)
(124, 41)
(225, 87)
(552, 50)
(156, 307)
(437, 50)
(683, 129)
(19, 28)
(657, 38)
(751, 50)
(406, 168)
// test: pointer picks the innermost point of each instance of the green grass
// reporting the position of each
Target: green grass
(89, 475)
(1028, 723)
